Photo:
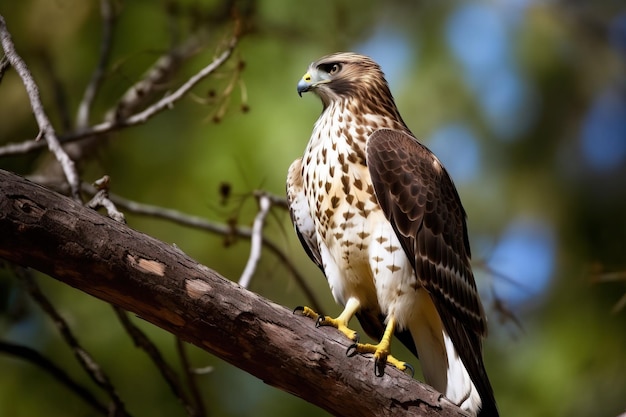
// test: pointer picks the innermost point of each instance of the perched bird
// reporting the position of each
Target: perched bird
(380, 216)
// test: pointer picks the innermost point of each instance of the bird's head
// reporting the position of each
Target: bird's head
(343, 75)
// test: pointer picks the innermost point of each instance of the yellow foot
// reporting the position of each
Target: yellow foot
(382, 351)
(381, 357)
(320, 320)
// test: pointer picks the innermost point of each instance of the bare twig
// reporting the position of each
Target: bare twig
(153, 80)
(20, 148)
(505, 314)
(166, 102)
(101, 199)
(69, 169)
(276, 200)
(92, 368)
(84, 108)
(190, 377)
(37, 359)
(226, 94)
(600, 276)
(169, 100)
(265, 205)
(144, 343)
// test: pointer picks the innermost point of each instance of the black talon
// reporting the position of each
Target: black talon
(298, 309)
(379, 367)
(410, 368)
(352, 350)
(319, 321)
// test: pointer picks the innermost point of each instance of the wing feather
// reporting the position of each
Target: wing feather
(419, 199)
(421, 202)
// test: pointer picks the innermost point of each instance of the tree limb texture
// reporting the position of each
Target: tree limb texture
(78, 246)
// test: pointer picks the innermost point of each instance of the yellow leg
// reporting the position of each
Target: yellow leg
(381, 351)
(340, 323)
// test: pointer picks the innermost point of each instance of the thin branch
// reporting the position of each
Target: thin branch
(144, 343)
(615, 276)
(190, 377)
(226, 94)
(166, 102)
(101, 199)
(108, 20)
(276, 200)
(265, 205)
(37, 359)
(69, 169)
(21, 147)
(619, 306)
(154, 78)
(84, 358)
(505, 314)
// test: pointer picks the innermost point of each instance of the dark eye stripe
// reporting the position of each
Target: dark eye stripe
(330, 68)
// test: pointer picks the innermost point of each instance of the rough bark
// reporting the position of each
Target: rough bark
(78, 246)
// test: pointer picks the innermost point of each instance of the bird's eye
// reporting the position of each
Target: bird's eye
(331, 69)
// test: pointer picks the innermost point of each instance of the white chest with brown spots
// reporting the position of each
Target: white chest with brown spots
(359, 250)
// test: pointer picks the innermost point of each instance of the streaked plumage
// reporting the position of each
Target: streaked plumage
(380, 216)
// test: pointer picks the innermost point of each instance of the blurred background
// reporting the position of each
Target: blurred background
(524, 102)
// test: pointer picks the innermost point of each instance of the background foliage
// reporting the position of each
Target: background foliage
(524, 102)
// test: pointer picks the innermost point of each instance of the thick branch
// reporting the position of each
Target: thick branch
(76, 245)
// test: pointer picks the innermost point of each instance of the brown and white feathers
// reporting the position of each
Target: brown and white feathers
(379, 214)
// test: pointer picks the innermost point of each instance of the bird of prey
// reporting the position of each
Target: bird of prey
(380, 216)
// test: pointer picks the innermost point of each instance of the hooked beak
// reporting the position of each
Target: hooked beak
(310, 80)
(305, 84)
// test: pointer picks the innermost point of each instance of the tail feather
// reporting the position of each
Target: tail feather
(452, 363)
(442, 364)
(468, 347)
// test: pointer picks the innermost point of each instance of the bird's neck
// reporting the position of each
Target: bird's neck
(356, 114)
(347, 124)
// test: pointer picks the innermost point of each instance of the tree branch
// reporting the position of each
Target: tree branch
(86, 361)
(217, 228)
(34, 357)
(256, 245)
(45, 127)
(138, 118)
(107, 259)
(108, 20)
(167, 372)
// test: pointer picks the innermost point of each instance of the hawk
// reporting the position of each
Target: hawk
(380, 216)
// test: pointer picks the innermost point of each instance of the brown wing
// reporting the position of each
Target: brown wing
(420, 200)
